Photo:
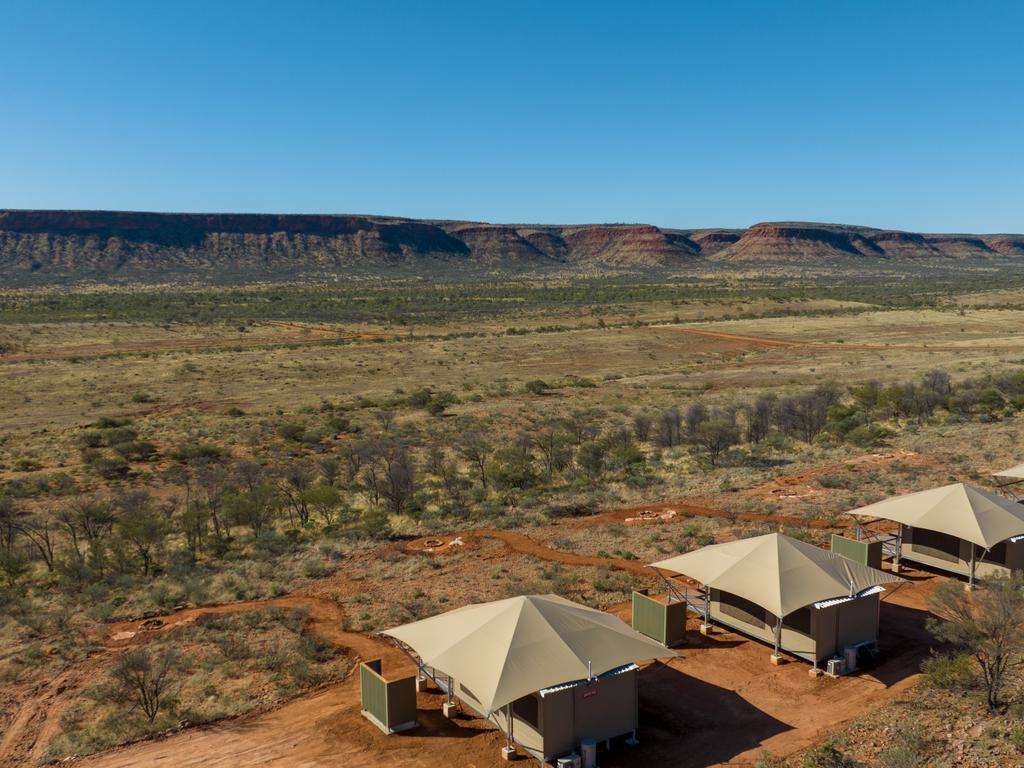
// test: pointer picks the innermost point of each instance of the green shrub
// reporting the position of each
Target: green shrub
(197, 451)
(111, 422)
(948, 671)
(826, 756)
(291, 431)
(109, 467)
(536, 387)
(1017, 738)
(907, 748)
(117, 435)
(135, 450)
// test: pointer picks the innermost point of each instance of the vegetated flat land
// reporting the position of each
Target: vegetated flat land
(246, 367)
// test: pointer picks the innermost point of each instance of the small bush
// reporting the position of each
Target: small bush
(135, 450)
(906, 750)
(111, 422)
(948, 671)
(536, 387)
(196, 452)
(826, 756)
(1017, 738)
(109, 467)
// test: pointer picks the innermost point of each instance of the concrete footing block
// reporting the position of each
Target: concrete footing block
(816, 672)
(777, 660)
(508, 754)
(705, 629)
(450, 709)
(422, 684)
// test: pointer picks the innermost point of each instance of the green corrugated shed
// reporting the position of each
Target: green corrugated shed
(866, 553)
(664, 622)
(388, 704)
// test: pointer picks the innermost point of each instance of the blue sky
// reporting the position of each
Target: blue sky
(892, 114)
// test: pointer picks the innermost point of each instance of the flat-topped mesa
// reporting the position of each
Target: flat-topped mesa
(50, 245)
(498, 245)
(775, 242)
(625, 245)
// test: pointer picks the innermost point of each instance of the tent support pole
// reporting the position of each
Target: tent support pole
(899, 549)
(508, 751)
(777, 657)
(974, 551)
(705, 626)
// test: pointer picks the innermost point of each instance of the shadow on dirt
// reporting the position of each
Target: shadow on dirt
(904, 640)
(688, 722)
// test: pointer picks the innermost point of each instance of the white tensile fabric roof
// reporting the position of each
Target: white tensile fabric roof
(969, 513)
(1014, 473)
(506, 649)
(777, 572)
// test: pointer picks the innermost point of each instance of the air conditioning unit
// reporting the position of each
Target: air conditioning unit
(572, 761)
(836, 667)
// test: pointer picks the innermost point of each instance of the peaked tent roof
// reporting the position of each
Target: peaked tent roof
(964, 511)
(1014, 473)
(778, 572)
(506, 649)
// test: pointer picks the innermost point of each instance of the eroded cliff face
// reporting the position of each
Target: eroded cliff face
(799, 242)
(105, 243)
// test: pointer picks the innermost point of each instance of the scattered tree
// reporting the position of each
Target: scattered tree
(987, 623)
(142, 679)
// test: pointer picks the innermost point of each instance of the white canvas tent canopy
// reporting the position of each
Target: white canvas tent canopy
(1007, 479)
(1014, 474)
(492, 655)
(946, 527)
(782, 576)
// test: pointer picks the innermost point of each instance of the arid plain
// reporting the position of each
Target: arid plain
(533, 432)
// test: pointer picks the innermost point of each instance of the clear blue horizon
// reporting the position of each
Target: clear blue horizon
(898, 115)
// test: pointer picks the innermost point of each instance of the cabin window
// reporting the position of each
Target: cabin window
(527, 709)
(941, 546)
(739, 608)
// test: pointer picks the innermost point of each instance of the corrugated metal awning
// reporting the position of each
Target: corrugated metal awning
(837, 600)
(574, 683)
